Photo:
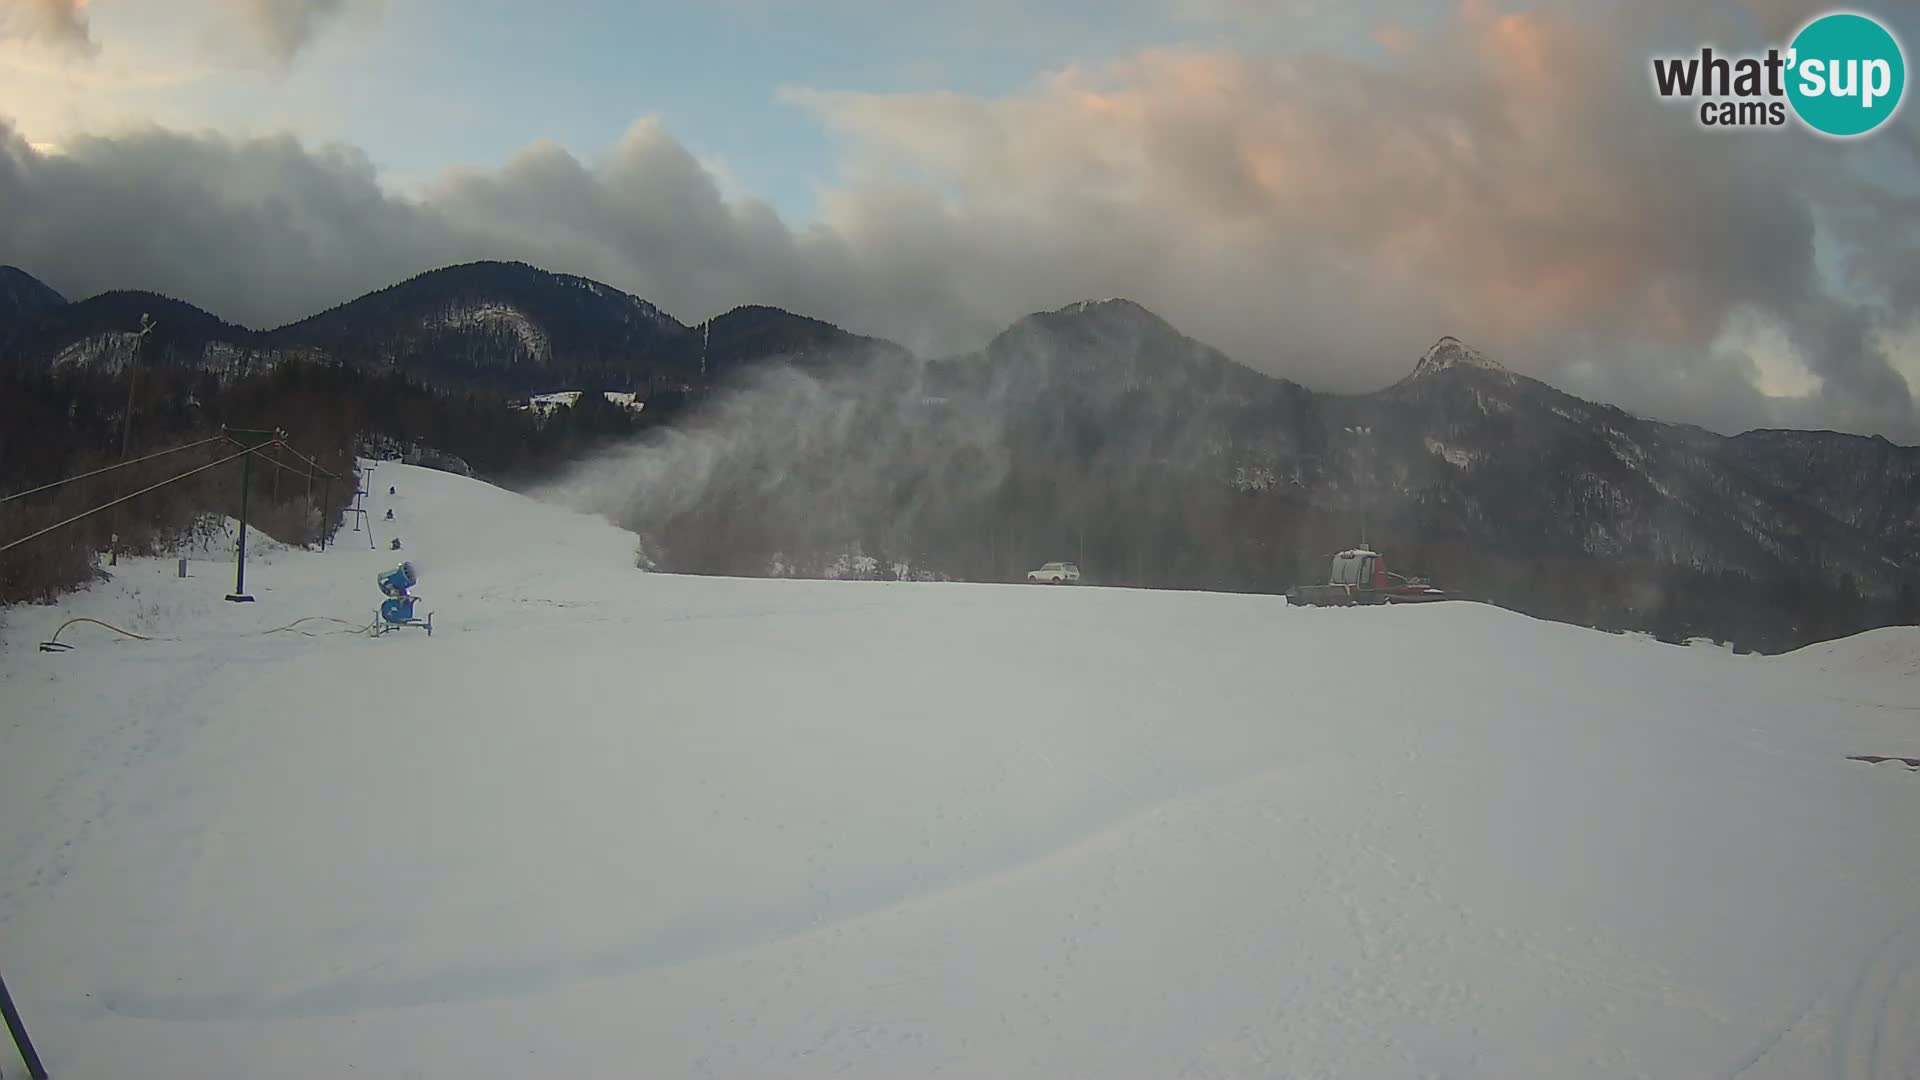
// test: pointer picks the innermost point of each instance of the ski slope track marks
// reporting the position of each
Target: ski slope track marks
(613, 823)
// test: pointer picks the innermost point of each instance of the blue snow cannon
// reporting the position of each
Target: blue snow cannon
(397, 608)
(397, 581)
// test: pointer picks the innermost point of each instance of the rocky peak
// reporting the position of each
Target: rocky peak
(1448, 353)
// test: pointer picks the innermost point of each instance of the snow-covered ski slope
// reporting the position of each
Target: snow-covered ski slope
(607, 823)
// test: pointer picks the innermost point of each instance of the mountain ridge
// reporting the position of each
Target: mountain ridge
(1102, 416)
(22, 297)
(680, 344)
(501, 326)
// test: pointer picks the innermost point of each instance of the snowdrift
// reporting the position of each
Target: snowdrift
(1888, 655)
(610, 823)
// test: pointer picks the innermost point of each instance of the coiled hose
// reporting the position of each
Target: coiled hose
(54, 644)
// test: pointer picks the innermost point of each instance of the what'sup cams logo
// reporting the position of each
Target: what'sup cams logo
(1843, 75)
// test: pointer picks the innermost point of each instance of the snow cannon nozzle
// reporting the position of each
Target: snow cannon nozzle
(397, 581)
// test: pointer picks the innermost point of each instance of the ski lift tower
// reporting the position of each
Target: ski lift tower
(358, 511)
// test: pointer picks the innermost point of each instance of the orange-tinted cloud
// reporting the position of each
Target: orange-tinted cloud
(61, 23)
(1395, 38)
(1507, 178)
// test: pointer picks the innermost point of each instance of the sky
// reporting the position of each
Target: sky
(1319, 189)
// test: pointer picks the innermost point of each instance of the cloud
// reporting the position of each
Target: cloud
(257, 229)
(275, 29)
(1526, 193)
(1324, 216)
(1501, 175)
(281, 28)
(62, 23)
(268, 230)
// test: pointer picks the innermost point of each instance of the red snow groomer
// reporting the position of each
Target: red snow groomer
(1360, 576)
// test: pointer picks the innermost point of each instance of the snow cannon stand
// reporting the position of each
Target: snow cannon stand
(396, 610)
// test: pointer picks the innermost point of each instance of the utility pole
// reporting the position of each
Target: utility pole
(126, 424)
(251, 441)
(133, 377)
(239, 593)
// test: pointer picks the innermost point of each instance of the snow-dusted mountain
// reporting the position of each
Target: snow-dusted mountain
(503, 324)
(1100, 431)
(102, 334)
(504, 327)
(1449, 353)
(1463, 451)
(1463, 447)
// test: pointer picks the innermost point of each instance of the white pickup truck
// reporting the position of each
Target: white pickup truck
(1055, 573)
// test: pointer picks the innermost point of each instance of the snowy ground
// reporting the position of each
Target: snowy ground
(607, 823)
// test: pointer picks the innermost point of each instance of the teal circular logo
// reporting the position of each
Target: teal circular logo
(1847, 75)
